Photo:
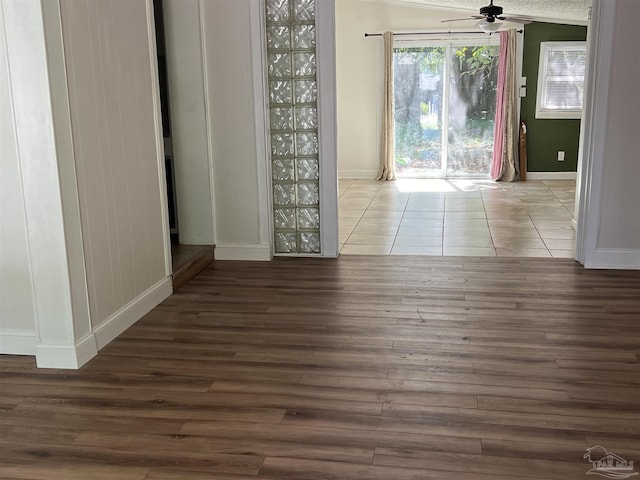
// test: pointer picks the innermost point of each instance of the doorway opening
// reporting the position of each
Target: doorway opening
(186, 260)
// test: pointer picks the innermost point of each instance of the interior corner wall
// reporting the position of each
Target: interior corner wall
(545, 137)
(17, 316)
(185, 71)
(229, 73)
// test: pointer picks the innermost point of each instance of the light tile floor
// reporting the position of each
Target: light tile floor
(457, 218)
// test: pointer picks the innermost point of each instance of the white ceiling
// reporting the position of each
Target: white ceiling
(559, 11)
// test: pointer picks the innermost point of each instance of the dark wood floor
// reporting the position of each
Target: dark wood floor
(380, 368)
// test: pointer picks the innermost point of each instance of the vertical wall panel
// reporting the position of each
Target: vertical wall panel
(229, 74)
(187, 104)
(17, 314)
(111, 95)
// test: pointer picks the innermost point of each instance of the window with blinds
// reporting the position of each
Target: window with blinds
(561, 79)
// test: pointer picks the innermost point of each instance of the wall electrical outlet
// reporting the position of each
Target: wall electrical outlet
(560, 156)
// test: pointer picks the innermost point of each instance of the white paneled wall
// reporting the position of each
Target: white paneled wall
(112, 89)
(17, 315)
(230, 82)
(85, 244)
(185, 67)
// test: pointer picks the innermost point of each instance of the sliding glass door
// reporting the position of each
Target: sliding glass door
(445, 96)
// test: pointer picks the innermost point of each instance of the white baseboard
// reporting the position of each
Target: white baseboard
(17, 342)
(132, 312)
(66, 356)
(74, 356)
(618, 259)
(260, 253)
(552, 175)
(369, 174)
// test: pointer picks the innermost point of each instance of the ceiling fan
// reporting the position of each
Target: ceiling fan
(490, 13)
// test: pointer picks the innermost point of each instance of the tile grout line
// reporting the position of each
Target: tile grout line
(404, 210)
(361, 215)
(536, 226)
(484, 209)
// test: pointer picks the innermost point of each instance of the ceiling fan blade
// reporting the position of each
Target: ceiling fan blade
(472, 17)
(516, 19)
(455, 20)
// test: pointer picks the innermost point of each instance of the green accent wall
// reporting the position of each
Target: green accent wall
(545, 137)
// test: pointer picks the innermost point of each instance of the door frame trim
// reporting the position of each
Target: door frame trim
(327, 126)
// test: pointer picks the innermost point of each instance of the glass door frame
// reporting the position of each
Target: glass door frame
(447, 42)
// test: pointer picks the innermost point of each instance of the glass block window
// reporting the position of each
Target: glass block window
(293, 114)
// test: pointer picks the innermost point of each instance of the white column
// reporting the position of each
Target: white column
(58, 344)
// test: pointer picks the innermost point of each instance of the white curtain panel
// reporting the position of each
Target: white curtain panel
(386, 171)
(510, 152)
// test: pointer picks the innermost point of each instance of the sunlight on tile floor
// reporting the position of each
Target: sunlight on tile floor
(457, 218)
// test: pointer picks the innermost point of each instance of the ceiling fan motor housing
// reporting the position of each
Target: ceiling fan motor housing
(491, 12)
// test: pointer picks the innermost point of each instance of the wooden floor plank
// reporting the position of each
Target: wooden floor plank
(303, 469)
(224, 446)
(44, 470)
(105, 455)
(478, 464)
(338, 436)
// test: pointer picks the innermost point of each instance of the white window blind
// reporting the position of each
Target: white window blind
(561, 79)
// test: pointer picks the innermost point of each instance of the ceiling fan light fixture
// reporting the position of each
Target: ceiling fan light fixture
(489, 27)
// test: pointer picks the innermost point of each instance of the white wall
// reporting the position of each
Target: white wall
(359, 74)
(188, 121)
(619, 217)
(17, 315)
(113, 100)
(608, 196)
(359, 86)
(235, 144)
